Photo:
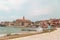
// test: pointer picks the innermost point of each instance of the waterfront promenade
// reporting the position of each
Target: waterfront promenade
(55, 35)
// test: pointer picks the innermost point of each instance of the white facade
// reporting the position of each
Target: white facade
(39, 29)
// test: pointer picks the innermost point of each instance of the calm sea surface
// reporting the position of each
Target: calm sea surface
(6, 30)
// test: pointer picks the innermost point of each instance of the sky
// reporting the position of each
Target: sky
(31, 9)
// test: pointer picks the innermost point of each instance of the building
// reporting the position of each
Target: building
(42, 23)
(18, 22)
(7, 23)
(54, 22)
(28, 23)
(23, 22)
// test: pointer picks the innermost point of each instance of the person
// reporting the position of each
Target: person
(49, 27)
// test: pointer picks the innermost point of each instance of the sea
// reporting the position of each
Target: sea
(13, 29)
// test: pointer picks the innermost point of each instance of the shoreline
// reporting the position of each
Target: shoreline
(19, 35)
(16, 35)
(55, 35)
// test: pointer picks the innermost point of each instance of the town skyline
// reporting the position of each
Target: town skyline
(23, 17)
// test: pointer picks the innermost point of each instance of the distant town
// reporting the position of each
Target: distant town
(28, 23)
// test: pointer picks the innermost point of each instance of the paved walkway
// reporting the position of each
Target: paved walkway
(46, 36)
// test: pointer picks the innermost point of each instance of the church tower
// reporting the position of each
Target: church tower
(23, 18)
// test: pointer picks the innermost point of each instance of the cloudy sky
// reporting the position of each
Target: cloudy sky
(31, 9)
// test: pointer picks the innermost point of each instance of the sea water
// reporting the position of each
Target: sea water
(7, 30)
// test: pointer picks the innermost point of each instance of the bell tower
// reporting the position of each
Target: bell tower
(23, 18)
